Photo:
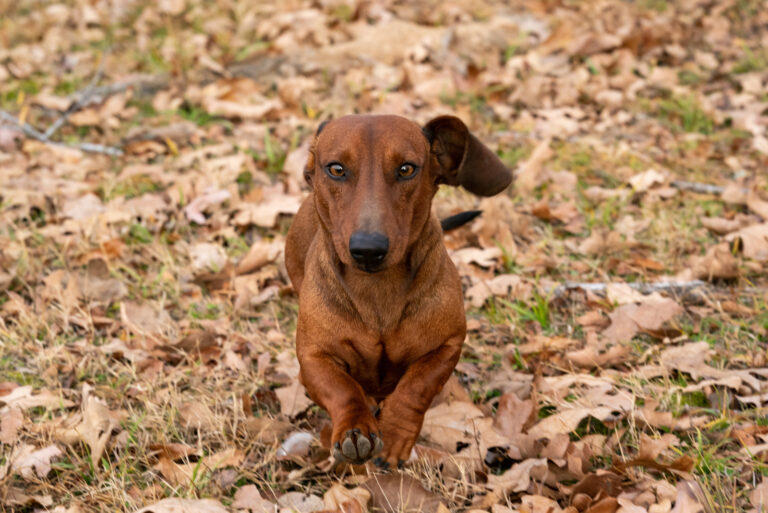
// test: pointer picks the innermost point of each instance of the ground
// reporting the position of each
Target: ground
(151, 160)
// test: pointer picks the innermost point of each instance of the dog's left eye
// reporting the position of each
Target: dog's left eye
(406, 171)
(336, 171)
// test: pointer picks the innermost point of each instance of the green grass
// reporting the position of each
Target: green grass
(751, 61)
(686, 114)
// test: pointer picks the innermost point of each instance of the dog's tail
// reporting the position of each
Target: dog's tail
(460, 219)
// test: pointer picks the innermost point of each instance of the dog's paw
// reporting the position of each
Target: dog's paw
(400, 429)
(358, 444)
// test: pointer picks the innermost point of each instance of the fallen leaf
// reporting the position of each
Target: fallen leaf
(395, 493)
(196, 209)
(342, 499)
(529, 174)
(759, 496)
(293, 399)
(753, 241)
(94, 426)
(757, 204)
(508, 286)
(266, 212)
(567, 421)
(718, 262)
(10, 422)
(207, 257)
(627, 320)
(22, 398)
(197, 415)
(248, 498)
(262, 252)
(174, 505)
(487, 257)
(686, 500)
(647, 179)
(25, 459)
(517, 478)
(301, 502)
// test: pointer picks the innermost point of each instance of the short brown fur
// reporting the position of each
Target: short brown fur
(394, 336)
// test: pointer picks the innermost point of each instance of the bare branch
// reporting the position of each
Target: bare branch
(34, 133)
(79, 103)
(672, 287)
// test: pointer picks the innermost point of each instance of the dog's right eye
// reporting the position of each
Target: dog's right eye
(336, 171)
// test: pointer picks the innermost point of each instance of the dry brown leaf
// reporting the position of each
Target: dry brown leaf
(22, 398)
(183, 473)
(266, 212)
(529, 174)
(686, 500)
(718, 262)
(487, 257)
(517, 478)
(650, 448)
(627, 320)
(197, 415)
(248, 498)
(262, 252)
(338, 498)
(646, 180)
(753, 241)
(174, 505)
(10, 422)
(25, 459)
(144, 319)
(449, 423)
(395, 493)
(601, 242)
(757, 204)
(293, 399)
(196, 209)
(539, 504)
(207, 257)
(300, 502)
(509, 286)
(607, 505)
(94, 426)
(759, 496)
(567, 421)
(721, 225)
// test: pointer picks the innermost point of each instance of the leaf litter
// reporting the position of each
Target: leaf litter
(616, 295)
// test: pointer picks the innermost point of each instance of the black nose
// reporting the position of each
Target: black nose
(368, 249)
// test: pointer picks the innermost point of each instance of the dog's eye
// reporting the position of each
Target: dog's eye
(406, 171)
(335, 170)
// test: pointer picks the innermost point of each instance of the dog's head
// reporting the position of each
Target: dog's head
(374, 178)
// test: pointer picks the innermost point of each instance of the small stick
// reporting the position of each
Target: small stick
(643, 288)
(79, 103)
(33, 133)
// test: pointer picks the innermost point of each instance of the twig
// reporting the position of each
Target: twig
(79, 103)
(673, 287)
(34, 133)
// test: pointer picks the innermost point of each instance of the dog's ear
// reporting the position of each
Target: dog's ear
(463, 159)
(310, 165)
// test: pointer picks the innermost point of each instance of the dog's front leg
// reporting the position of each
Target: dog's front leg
(402, 412)
(356, 436)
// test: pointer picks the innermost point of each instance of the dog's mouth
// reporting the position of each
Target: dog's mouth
(370, 268)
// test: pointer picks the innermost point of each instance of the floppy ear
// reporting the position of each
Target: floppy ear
(463, 159)
(309, 167)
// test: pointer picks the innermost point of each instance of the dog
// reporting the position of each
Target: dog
(381, 312)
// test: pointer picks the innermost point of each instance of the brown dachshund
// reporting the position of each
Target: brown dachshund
(381, 311)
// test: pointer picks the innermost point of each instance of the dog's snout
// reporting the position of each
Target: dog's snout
(368, 249)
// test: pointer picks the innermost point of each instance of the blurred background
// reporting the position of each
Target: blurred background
(150, 164)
